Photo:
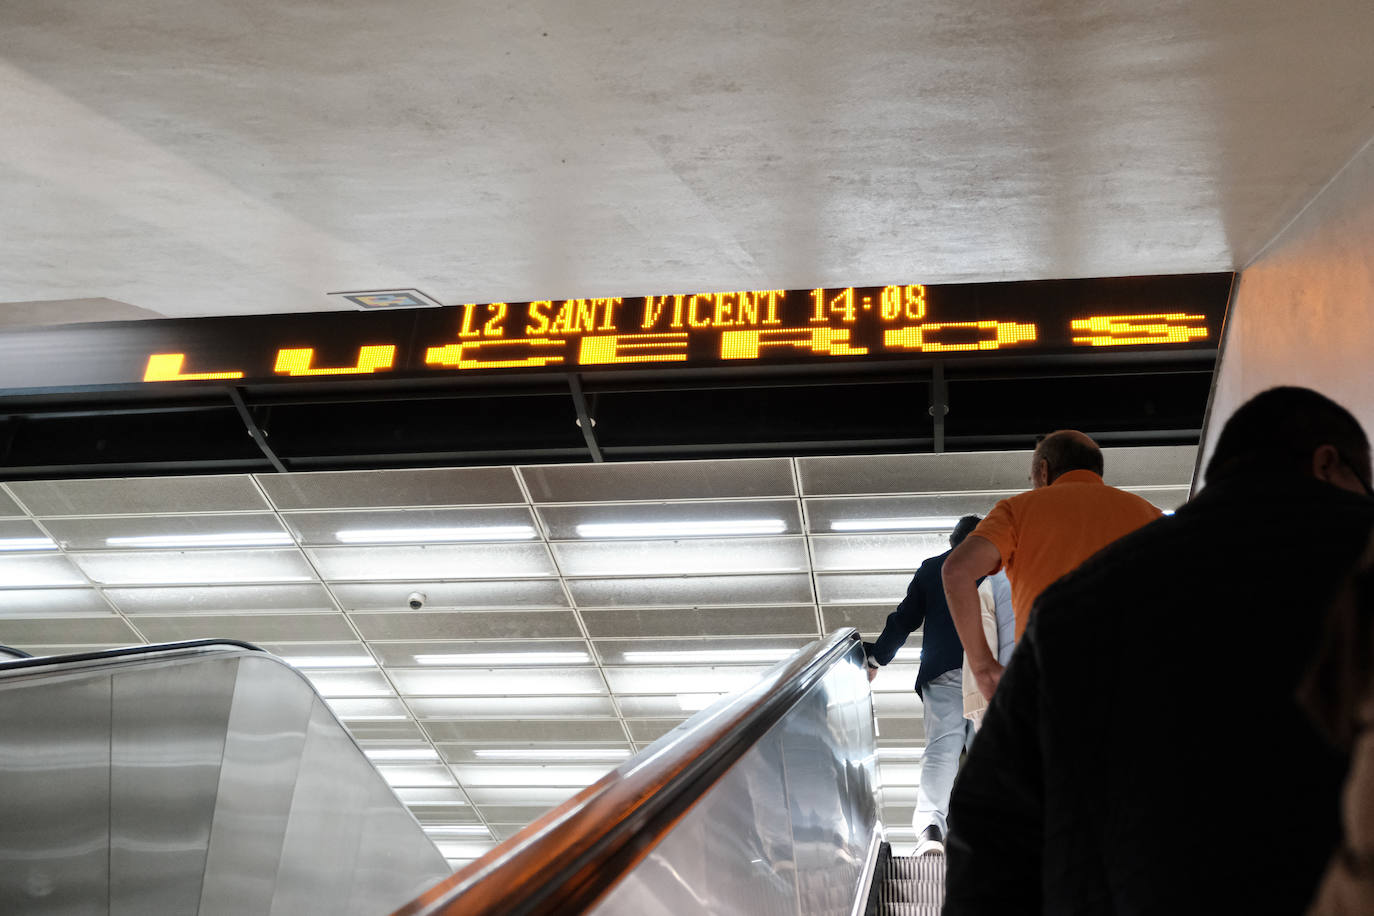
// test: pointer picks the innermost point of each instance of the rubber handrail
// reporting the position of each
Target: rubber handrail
(44, 660)
(566, 860)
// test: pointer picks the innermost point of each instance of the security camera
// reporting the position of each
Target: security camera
(416, 600)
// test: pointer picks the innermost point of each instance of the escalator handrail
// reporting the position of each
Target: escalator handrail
(567, 859)
(41, 661)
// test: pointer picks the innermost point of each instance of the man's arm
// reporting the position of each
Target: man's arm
(909, 615)
(970, 561)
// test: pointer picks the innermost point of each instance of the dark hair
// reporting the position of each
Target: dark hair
(1066, 451)
(962, 529)
(1277, 431)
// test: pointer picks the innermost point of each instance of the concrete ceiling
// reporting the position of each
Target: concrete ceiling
(193, 158)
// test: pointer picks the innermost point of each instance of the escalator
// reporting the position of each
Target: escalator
(210, 778)
(195, 778)
(764, 804)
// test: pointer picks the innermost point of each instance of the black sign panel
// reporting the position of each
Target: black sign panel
(583, 335)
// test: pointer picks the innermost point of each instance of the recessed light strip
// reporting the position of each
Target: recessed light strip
(941, 523)
(424, 535)
(514, 659)
(225, 539)
(27, 544)
(706, 656)
(551, 753)
(681, 528)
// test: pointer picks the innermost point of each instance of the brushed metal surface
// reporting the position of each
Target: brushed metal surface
(54, 797)
(196, 783)
(262, 753)
(167, 741)
(789, 827)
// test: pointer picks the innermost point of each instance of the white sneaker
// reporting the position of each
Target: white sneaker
(931, 842)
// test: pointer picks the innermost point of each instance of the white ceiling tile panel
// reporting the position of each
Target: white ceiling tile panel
(497, 682)
(682, 679)
(651, 707)
(470, 653)
(379, 709)
(396, 730)
(705, 621)
(416, 776)
(350, 683)
(543, 796)
(38, 571)
(1148, 465)
(436, 561)
(221, 599)
(392, 596)
(876, 551)
(646, 730)
(469, 625)
(658, 480)
(697, 651)
(608, 755)
(544, 707)
(862, 588)
(385, 489)
(55, 602)
(514, 814)
(684, 557)
(7, 504)
(446, 797)
(395, 526)
(20, 534)
(173, 531)
(522, 731)
(70, 631)
(254, 628)
(907, 729)
(456, 813)
(765, 516)
(194, 567)
(481, 776)
(691, 591)
(868, 619)
(874, 474)
(140, 495)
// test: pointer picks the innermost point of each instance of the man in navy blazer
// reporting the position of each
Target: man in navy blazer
(939, 683)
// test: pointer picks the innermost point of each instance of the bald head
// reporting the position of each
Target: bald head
(1062, 451)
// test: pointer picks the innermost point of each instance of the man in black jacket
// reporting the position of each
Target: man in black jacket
(1144, 752)
(939, 684)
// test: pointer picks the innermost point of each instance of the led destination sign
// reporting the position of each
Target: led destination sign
(687, 330)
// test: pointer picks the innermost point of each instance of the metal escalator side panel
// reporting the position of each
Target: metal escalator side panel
(166, 745)
(263, 745)
(788, 829)
(54, 798)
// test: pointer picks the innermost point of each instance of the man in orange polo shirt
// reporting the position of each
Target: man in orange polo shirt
(1040, 535)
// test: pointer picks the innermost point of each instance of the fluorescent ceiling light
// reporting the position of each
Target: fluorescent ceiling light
(942, 523)
(463, 850)
(681, 529)
(907, 655)
(901, 753)
(391, 754)
(693, 702)
(331, 661)
(406, 535)
(223, 539)
(1168, 511)
(551, 753)
(456, 830)
(706, 656)
(485, 659)
(27, 544)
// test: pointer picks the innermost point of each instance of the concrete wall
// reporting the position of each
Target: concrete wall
(1304, 308)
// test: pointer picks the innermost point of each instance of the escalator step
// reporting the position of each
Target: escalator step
(912, 886)
(909, 909)
(923, 868)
